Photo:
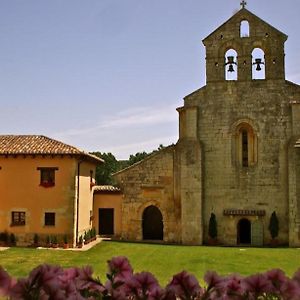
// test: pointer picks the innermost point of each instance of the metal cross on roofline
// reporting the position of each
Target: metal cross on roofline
(243, 4)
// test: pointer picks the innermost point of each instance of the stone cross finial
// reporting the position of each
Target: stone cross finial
(243, 4)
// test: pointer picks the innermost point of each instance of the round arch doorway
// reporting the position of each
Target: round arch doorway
(244, 232)
(153, 228)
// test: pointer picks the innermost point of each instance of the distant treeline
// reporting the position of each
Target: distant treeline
(112, 165)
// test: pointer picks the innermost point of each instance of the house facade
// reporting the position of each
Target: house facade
(107, 210)
(45, 188)
(238, 153)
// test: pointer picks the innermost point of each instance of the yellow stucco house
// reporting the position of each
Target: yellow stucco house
(46, 188)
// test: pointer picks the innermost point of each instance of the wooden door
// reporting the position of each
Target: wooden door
(106, 221)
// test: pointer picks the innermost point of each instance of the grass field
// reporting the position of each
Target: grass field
(162, 260)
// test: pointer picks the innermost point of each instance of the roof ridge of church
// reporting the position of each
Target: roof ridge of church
(154, 153)
(243, 10)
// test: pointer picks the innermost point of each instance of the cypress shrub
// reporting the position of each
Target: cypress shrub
(212, 227)
(274, 225)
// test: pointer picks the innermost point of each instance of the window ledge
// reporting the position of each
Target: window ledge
(47, 185)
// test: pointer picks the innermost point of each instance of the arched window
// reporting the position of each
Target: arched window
(245, 152)
(231, 70)
(246, 145)
(258, 64)
(244, 29)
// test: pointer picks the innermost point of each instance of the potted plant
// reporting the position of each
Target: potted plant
(35, 240)
(48, 241)
(66, 244)
(4, 238)
(274, 229)
(212, 230)
(91, 235)
(86, 237)
(80, 242)
(94, 233)
(12, 240)
(54, 242)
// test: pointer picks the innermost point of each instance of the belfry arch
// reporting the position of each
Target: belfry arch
(258, 64)
(231, 61)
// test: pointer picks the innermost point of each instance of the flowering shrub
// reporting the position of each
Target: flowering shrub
(52, 282)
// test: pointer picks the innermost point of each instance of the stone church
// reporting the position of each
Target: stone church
(238, 153)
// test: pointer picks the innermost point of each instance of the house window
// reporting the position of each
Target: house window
(17, 218)
(47, 176)
(49, 219)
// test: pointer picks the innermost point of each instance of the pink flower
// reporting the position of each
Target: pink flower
(233, 286)
(277, 278)
(212, 279)
(85, 282)
(290, 289)
(5, 282)
(185, 286)
(119, 268)
(297, 276)
(256, 285)
(43, 280)
(142, 285)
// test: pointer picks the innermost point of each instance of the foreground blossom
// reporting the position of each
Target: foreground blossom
(5, 282)
(53, 282)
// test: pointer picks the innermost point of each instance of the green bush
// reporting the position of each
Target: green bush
(48, 240)
(54, 239)
(4, 236)
(65, 239)
(35, 239)
(12, 239)
(274, 225)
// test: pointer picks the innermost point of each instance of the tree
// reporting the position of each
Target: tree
(111, 165)
(212, 226)
(274, 225)
(105, 170)
(137, 157)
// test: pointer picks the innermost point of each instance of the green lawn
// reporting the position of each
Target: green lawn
(162, 260)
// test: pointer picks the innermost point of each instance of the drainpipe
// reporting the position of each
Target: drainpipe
(77, 199)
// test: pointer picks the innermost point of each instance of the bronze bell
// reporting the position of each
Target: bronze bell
(230, 69)
(258, 62)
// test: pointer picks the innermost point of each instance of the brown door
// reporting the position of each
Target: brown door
(106, 221)
(244, 232)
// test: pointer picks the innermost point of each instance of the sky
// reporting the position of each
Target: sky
(108, 75)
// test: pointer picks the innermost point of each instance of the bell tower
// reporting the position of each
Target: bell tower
(245, 48)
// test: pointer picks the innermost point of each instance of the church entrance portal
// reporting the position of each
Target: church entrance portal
(244, 232)
(152, 224)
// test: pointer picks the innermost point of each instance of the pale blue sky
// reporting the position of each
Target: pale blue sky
(107, 75)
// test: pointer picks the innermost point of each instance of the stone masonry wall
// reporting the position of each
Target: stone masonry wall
(227, 185)
(150, 182)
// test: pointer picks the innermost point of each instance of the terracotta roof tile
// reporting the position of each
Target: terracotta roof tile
(106, 188)
(38, 145)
